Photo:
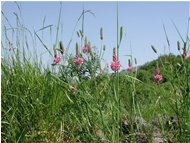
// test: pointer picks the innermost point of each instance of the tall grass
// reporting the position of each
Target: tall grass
(72, 104)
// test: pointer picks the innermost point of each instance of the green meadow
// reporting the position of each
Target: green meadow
(77, 99)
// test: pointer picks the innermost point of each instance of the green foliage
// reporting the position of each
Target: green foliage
(70, 103)
(35, 105)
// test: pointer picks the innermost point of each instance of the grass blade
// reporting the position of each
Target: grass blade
(168, 42)
(44, 44)
(121, 35)
(178, 32)
(44, 28)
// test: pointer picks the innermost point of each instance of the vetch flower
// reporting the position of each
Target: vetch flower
(158, 76)
(185, 55)
(130, 68)
(115, 65)
(85, 48)
(78, 60)
(57, 60)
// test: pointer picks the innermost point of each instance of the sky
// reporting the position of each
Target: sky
(142, 24)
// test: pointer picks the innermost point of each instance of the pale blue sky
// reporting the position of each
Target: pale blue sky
(142, 23)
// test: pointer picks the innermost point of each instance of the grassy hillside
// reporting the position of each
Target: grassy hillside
(39, 106)
(76, 100)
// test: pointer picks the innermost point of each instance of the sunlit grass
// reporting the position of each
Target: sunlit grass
(69, 102)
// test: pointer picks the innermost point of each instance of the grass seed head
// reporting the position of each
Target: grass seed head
(104, 48)
(101, 33)
(178, 45)
(61, 47)
(77, 49)
(155, 51)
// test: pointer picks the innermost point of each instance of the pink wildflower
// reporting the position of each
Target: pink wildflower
(79, 60)
(185, 55)
(158, 76)
(85, 48)
(115, 65)
(57, 60)
(130, 69)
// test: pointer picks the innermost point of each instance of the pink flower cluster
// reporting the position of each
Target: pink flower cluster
(85, 48)
(185, 55)
(78, 60)
(57, 58)
(115, 65)
(158, 76)
(130, 68)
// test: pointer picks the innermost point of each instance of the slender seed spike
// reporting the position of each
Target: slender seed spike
(121, 35)
(178, 45)
(89, 44)
(115, 58)
(114, 51)
(104, 48)
(135, 61)
(78, 34)
(101, 33)
(77, 49)
(129, 62)
(81, 33)
(61, 47)
(85, 40)
(153, 49)
(184, 47)
(90, 50)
